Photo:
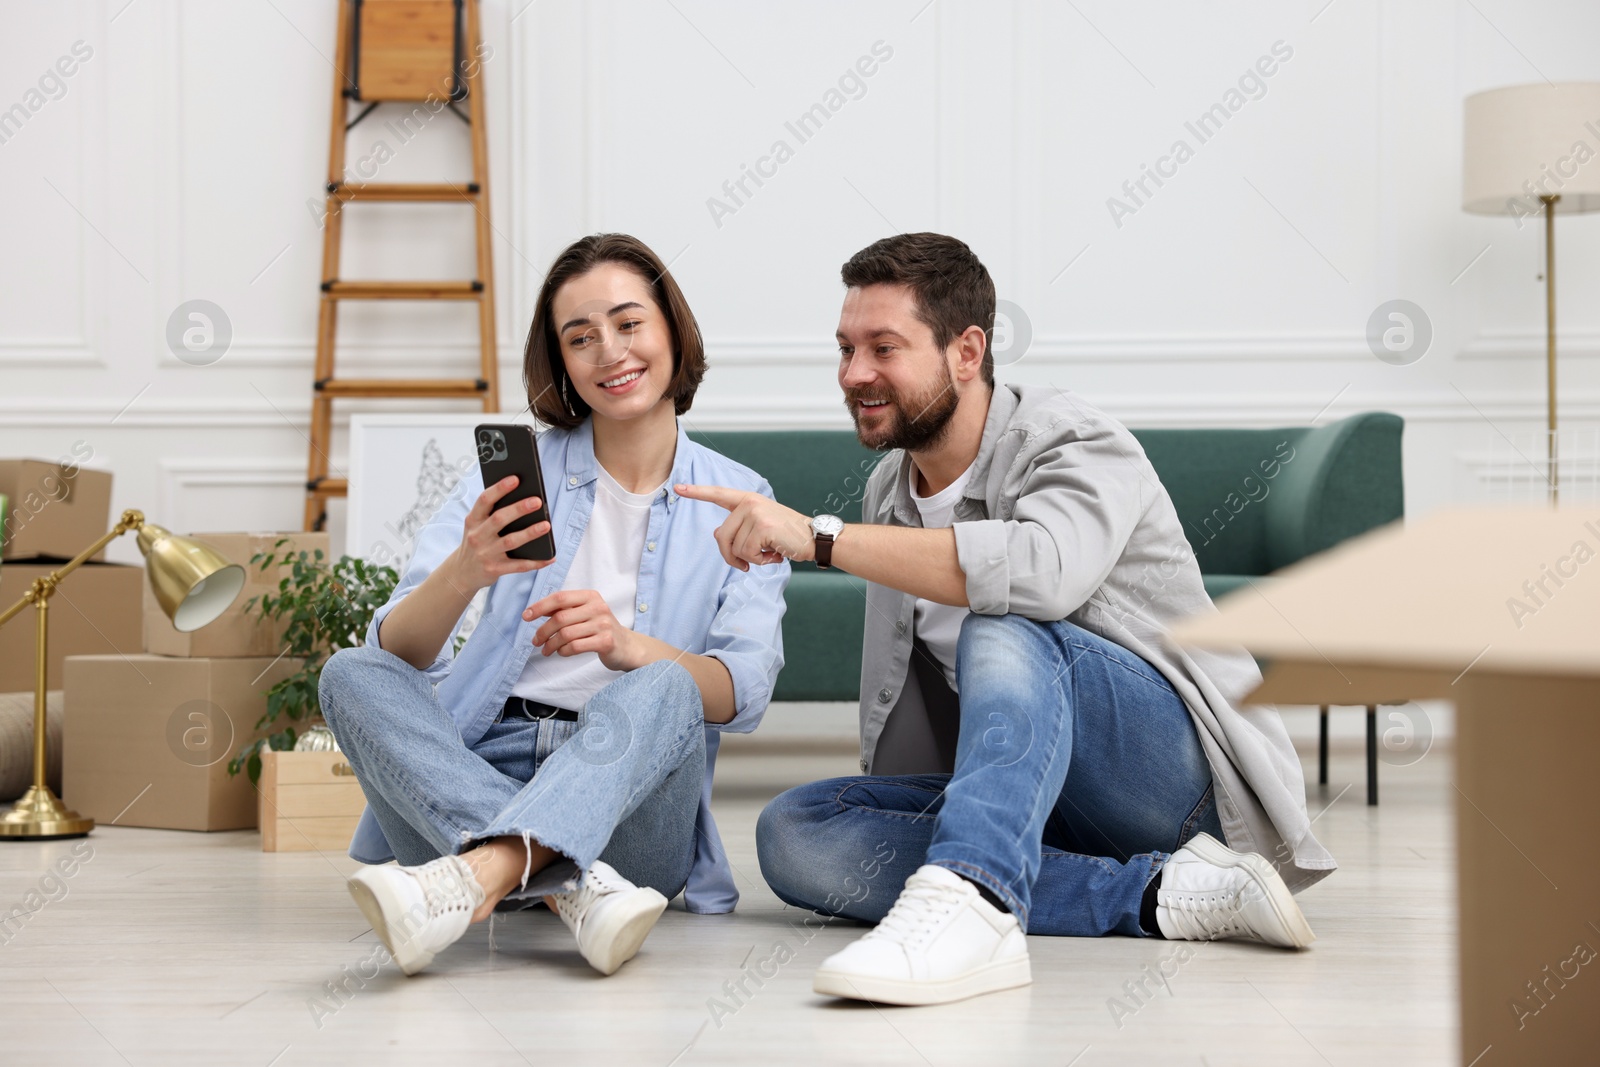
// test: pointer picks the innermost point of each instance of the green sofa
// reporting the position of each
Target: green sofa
(1251, 501)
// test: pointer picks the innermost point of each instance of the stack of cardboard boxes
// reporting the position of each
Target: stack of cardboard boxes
(149, 736)
(55, 511)
(154, 716)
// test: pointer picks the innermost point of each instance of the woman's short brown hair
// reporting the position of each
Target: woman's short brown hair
(544, 373)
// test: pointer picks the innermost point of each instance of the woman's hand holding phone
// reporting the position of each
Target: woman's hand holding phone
(481, 557)
(579, 620)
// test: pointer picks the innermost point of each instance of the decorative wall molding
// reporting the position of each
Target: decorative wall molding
(560, 107)
(301, 354)
(1530, 344)
(186, 473)
(48, 353)
(184, 479)
(105, 415)
(1077, 349)
(78, 349)
(822, 408)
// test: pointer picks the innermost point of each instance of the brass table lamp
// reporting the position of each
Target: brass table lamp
(193, 584)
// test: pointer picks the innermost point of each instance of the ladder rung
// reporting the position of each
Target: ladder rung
(329, 487)
(403, 290)
(402, 387)
(404, 191)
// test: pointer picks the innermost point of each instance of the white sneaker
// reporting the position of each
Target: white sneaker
(940, 942)
(609, 915)
(1209, 892)
(417, 912)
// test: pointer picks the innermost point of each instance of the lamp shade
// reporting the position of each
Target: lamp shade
(1525, 141)
(193, 583)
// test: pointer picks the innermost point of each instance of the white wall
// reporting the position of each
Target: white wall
(180, 159)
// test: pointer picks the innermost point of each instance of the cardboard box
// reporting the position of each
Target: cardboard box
(310, 801)
(148, 738)
(56, 509)
(1497, 610)
(95, 611)
(235, 632)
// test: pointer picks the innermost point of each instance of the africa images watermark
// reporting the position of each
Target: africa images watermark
(1537, 592)
(1252, 85)
(337, 993)
(1140, 990)
(51, 85)
(52, 888)
(1253, 488)
(851, 85)
(738, 992)
(54, 487)
(1550, 184)
(1543, 991)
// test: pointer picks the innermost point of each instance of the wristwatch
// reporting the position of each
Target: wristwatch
(824, 528)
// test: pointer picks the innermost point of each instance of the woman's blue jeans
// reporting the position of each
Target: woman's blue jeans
(1077, 773)
(621, 784)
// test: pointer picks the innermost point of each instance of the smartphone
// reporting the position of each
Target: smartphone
(509, 448)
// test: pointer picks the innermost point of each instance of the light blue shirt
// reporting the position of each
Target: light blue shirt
(687, 596)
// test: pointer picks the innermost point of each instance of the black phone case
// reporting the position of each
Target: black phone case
(520, 457)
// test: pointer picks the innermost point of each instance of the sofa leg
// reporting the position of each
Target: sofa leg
(1372, 754)
(1322, 747)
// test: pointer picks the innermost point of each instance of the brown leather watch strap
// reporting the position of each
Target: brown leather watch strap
(824, 543)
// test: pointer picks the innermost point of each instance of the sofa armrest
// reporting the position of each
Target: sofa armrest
(1345, 479)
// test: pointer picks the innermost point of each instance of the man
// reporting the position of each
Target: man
(1040, 760)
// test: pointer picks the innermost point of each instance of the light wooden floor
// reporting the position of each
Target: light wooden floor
(178, 948)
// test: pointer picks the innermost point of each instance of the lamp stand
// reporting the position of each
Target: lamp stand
(193, 584)
(1554, 473)
(40, 814)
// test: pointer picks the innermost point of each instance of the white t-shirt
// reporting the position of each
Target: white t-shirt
(607, 561)
(939, 625)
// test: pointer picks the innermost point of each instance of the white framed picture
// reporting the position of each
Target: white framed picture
(402, 468)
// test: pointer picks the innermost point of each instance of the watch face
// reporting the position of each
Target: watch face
(827, 525)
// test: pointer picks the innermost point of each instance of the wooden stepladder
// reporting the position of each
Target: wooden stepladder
(425, 53)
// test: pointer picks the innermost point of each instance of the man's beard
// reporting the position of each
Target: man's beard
(912, 423)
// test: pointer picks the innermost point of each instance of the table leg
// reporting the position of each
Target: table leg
(1527, 824)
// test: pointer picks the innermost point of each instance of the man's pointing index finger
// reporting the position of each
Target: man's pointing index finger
(719, 495)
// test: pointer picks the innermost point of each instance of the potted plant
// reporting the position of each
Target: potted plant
(325, 606)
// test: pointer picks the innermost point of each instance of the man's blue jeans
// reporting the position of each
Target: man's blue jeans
(621, 784)
(1077, 773)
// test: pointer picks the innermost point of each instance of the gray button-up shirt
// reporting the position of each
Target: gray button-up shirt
(1063, 517)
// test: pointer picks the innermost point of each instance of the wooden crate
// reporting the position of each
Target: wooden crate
(309, 801)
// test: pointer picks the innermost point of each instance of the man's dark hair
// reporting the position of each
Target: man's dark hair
(952, 287)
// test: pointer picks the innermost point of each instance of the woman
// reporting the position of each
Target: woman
(566, 751)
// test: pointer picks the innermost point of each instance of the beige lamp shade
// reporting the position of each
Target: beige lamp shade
(1526, 141)
(193, 583)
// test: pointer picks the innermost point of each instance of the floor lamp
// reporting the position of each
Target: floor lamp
(193, 584)
(1532, 151)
